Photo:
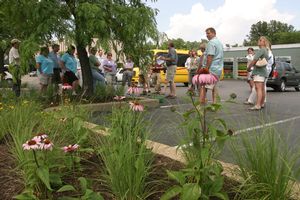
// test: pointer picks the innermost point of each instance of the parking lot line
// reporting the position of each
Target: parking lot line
(265, 125)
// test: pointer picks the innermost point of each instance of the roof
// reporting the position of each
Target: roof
(276, 46)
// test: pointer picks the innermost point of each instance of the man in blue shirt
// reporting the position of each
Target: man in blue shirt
(214, 62)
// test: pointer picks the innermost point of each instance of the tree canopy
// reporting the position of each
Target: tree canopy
(125, 23)
(278, 33)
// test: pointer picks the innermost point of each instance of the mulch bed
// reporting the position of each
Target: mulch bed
(11, 182)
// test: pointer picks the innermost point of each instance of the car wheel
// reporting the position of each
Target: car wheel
(186, 84)
(282, 86)
(297, 88)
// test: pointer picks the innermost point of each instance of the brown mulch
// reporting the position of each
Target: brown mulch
(11, 182)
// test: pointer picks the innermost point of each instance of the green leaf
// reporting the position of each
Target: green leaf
(177, 176)
(83, 184)
(191, 191)
(25, 196)
(55, 179)
(172, 192)
(66, 188)
(221, 196)
(43, 174)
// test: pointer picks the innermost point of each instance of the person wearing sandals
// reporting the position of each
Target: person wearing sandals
(260, 72)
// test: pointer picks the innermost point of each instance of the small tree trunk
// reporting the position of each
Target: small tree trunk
(1, 59)
(86, 71)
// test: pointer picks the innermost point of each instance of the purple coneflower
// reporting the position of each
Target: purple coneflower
(31, 144)
(67, 87)
(134, 90)
(119, 98)
(136, 106)
(70, 148)
(46, 145)
(40, 137)
(203, 79)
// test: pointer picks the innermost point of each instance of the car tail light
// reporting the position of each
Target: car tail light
(275, 74)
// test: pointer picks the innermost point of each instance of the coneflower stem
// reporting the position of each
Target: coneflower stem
(36, 162)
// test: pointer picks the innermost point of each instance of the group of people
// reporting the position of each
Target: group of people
(53, 68)
(204, 71)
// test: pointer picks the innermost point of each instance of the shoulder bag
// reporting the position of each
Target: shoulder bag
(261, 62)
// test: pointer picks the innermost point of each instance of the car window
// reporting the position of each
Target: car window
(287, 67)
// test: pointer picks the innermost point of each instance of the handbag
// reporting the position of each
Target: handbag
(261, 62)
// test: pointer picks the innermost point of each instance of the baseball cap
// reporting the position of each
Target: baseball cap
(13, 41)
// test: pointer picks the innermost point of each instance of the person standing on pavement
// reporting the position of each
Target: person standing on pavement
(214, 62)
(171, 62)
(53, 55)
(44, 66)
(69, 66)
(110, 69)
(260, 72)
(194, 64)
(101, 58)
(251, 99)
(94, 64)
(14, 62)
(128, 72)
(157, 67)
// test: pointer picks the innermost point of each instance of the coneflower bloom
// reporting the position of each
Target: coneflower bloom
(119, 98)
(70, 148)
(136, 106)
(46, 145)
(204, 79)
(66, 86)
(40, 137)
(31, 144)
(134, 90)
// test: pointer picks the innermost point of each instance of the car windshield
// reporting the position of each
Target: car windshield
(181, 58)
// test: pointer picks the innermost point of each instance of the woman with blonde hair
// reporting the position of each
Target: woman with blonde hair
(259, 72)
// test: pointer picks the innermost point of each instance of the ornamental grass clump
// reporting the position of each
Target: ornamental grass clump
(266, 164)
(127, 161)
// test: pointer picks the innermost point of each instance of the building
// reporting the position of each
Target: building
(288, 52)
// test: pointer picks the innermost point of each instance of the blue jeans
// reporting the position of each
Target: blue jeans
(97, 78)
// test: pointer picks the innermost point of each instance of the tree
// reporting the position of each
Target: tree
(179, 43)
(287, 37)
(36, 22)
(269, 30)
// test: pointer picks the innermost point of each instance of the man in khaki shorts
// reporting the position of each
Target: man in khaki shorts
(171, 62)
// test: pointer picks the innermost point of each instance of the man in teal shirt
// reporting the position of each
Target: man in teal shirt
(214, 62)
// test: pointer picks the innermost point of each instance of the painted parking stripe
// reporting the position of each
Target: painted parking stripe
(266, 125)
(255, 128)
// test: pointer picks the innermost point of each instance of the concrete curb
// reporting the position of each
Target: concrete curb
(104, 107)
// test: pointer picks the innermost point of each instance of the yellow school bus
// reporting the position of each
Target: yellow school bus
(181, 71)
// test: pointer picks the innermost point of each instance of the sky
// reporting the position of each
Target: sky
(232, 19)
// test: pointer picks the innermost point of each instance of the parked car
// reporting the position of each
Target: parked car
(284, 75)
